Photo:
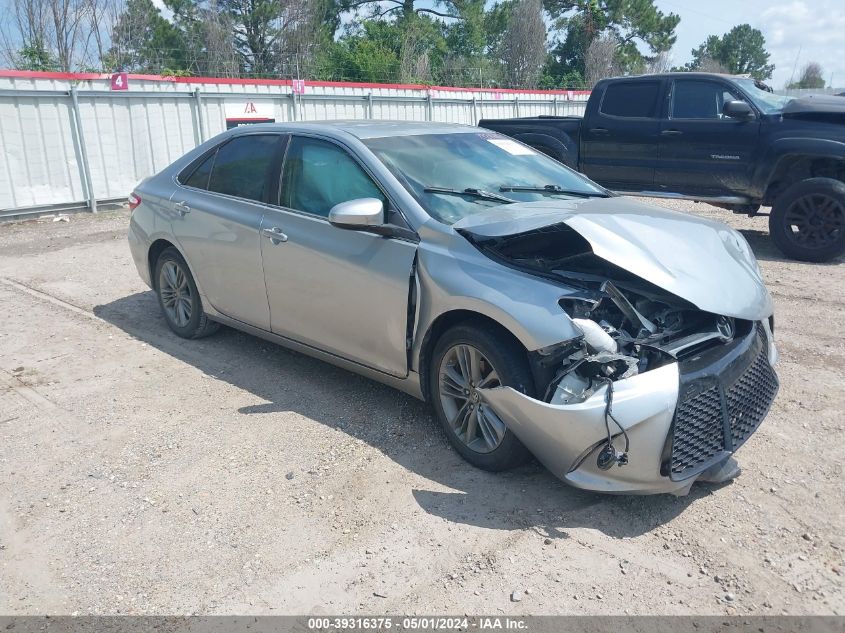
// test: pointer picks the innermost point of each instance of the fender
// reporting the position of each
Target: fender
(792, 147)
(525, 305)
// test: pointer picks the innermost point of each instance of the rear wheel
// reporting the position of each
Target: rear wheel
(179, 298)
(808, 220)
(465, 360)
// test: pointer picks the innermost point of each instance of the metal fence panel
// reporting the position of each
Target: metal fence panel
(125, 136)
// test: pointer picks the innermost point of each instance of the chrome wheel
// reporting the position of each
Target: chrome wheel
(175, 293)
(463, 371)
(815, 221)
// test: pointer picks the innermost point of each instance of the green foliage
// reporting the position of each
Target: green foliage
(143, 41)
(742, 51)
(35, 57)
(634, 23)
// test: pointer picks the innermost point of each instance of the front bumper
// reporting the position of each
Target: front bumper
(681, 419)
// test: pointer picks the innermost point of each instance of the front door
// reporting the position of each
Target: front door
(342, 291)
(216, 217)
(702, 150)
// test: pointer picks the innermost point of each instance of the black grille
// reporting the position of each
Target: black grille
(749, 399)
(720, 406)
(698, 431)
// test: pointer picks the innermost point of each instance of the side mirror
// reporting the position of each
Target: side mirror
(362, 213)
(737, 110)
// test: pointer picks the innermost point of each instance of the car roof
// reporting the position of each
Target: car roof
(364, 129)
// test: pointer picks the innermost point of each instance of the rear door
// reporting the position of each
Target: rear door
(345, 292)
(701, 150)
(619, 139)
(216, 216)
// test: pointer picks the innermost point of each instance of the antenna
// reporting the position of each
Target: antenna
(794, 67)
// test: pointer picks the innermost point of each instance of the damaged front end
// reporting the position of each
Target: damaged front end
(656, 393)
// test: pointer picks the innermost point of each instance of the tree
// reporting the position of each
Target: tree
(523, 49)
(812, 77)
(632, 23)
(601, 59)
(742, 51)
(143, 41)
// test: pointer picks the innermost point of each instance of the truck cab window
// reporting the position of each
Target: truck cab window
(632, 99)
(692, 99)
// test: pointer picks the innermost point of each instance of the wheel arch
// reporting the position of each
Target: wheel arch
(790, 163)
(157, 247)
(153, 253)
(441, 325)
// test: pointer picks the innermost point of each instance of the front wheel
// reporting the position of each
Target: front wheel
(465, 360)
(808, 220)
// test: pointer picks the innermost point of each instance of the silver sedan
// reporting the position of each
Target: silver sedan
(628, 348)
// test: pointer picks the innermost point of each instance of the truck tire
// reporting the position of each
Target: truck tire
(808, 220)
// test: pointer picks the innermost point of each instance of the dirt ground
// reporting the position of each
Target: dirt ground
(141, 473)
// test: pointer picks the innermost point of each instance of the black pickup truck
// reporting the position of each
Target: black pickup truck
(712, 138)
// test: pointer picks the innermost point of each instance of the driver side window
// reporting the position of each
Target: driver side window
(693, 99)
(318, 175)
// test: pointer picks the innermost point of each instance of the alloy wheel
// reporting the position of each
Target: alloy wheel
(815, 221)
(175, 293)
(463, 371)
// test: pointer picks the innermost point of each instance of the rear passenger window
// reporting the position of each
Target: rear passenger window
(633, 99)
(199, 178)
(242, 166)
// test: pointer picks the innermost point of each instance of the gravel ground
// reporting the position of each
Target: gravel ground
(141, 473)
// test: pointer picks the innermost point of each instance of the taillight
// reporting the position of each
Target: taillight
(134, 201)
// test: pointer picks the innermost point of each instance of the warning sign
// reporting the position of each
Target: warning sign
(248, 113)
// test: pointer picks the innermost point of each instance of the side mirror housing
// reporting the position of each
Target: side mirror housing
(359, 214)
(737, 110)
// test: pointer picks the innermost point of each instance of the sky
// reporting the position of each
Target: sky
(806, 30)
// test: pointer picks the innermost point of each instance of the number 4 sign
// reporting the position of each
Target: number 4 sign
(119, 81)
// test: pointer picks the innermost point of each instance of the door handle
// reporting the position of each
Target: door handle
(599, 130)
(275, 234)
(670, 133)
(182, 209)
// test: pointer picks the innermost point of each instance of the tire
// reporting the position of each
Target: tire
(507, 360)
(808, 220)
(182, 306)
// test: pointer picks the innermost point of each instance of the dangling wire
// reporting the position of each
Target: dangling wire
(608, 413)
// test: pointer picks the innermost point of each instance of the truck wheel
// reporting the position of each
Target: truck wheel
(808, 220)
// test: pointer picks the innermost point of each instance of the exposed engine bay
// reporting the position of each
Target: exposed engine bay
(629, 325)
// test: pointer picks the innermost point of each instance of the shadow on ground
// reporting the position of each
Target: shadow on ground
(400, 427)
(765, 250)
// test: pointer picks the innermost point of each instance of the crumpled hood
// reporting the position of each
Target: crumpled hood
(828, 104)
(705, 262)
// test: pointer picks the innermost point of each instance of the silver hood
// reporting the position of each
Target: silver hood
(705, 262)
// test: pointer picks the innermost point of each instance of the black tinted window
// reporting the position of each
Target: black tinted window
(699, 99)
(242, 166)
(199, 178)
(631, 99)
(319, 175)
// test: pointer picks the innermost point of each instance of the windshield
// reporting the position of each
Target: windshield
(768, 102)
(455, 175)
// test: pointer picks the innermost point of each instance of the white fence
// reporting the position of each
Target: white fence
(69, 140)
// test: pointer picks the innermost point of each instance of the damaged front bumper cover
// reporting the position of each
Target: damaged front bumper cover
(684, 420)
